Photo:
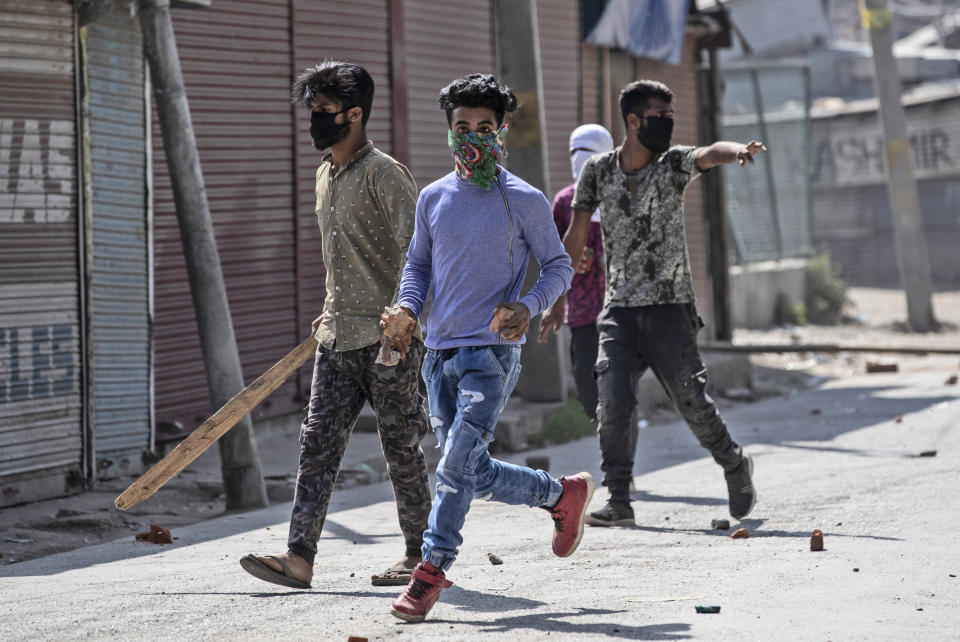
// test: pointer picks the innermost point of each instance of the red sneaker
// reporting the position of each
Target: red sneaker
(421, 593)
(569, 512)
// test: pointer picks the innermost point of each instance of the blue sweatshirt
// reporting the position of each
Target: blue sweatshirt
(461, 245)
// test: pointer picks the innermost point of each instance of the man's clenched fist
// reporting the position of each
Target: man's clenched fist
(398, 324)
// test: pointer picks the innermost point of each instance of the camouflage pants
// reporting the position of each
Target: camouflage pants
(342, 382)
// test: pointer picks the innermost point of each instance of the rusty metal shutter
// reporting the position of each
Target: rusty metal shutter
(356, 32)
(40, 367)
(235, 58)
(559, 31)
(118, 281)
(590, 77)
(444, 41)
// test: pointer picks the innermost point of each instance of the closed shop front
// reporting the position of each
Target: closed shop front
(236, 62)
(41, 422)
(357, 32)
(559, 31)
(444, 41)
(118, 300)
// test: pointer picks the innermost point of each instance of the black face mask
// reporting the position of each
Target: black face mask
(325, 131)
(655, 133)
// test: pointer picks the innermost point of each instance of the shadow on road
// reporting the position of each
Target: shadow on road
(556, 622)
(811, 416)
(755, 527)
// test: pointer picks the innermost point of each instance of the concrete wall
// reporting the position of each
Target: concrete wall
(755, 287)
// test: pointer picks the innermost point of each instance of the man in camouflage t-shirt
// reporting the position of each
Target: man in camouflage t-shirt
(649, 319)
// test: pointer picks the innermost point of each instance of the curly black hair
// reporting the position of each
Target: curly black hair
(636, 96)
(347, 83)
(478, 90)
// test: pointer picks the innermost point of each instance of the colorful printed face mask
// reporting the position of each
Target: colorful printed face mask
(476, 154)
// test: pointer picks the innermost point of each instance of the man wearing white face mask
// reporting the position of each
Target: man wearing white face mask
(585, 298)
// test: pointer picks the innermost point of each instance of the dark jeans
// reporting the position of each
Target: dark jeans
(664, 339)
(584, 343)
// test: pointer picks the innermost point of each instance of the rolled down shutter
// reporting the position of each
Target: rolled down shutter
(357, 32)
(235, 58)
(118, 302)
(559, 30)
(444, 41)
(40, 373)
(590, 78)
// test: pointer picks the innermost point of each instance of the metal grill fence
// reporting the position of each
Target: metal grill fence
(770, 204)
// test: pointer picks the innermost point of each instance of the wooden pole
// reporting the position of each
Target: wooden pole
(215, 427)
(240, 462)
(901, 183)
(714, 205)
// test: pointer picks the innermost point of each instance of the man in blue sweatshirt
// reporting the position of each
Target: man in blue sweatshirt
(475, 229)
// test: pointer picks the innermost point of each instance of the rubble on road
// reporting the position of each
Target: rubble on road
(816, 541)
(156, 535)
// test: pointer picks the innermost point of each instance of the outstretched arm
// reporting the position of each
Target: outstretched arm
(723, 152)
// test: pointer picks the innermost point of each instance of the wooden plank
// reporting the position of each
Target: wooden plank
(215, 427)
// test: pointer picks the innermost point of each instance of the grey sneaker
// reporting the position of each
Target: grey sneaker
(613, 514)
(740, 489)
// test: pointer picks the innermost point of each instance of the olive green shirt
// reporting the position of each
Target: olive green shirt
(366, 214)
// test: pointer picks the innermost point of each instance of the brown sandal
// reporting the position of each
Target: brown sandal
(390, 577)
(251, 564)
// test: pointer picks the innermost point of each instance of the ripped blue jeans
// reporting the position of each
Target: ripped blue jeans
(467, 389)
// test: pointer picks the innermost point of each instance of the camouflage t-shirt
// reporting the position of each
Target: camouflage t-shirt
(641, 214)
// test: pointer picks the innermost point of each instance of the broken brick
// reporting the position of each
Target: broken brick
(816, 541)
(501, 316)
(740, 533)
(157, 535)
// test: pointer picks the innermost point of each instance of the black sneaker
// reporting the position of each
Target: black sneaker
(613, 514)
(740, 489)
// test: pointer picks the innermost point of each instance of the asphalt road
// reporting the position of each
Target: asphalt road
(835, 458)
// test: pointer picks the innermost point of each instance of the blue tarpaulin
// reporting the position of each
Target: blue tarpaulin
(648, 28)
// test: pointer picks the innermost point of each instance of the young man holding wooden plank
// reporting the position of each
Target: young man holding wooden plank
(365, 208)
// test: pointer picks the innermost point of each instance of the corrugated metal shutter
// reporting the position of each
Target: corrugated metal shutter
(559, 27)
(40, 373)
(682, 79)
(118, 302)
(444, 41)
(236, 68)
(356, 32)
(590, 75)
